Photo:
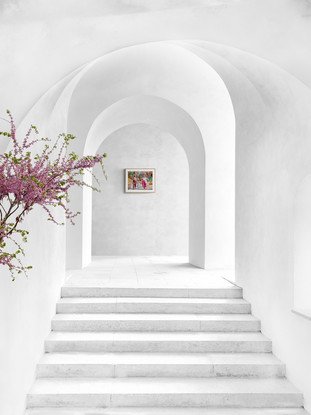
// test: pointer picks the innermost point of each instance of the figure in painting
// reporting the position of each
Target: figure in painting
(134, 182)
(144, 182)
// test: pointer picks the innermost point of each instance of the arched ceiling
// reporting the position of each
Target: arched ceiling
(231, 98)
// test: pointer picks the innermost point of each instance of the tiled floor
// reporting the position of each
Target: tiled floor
(147, 272)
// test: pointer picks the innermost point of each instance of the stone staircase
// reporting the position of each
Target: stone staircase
(159, 351)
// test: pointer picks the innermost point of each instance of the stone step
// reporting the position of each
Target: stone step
(166, 411)
(155, 322)
(162, 292)
(157, 342)
(159, 365)
(153, 305)
(164, 392)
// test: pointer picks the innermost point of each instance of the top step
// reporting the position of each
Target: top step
(222, 292)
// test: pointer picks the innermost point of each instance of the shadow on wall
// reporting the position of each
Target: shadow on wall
(302, 248)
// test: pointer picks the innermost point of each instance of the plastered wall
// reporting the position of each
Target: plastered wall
(142, 224)
(26, 308)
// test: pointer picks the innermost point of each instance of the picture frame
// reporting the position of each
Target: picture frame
(140, 180)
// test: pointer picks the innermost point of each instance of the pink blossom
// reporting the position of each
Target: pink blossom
(42, 179)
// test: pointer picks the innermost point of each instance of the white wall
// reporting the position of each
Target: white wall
(302, 247)
(26, 308)
(142, 224)
(273, 156)
(271, 163)
(28, 304)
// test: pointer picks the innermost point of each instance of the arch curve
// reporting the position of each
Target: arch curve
(143, 109)
(179, 81)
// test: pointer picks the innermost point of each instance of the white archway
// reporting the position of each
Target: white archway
(175, 75)
(168, 117)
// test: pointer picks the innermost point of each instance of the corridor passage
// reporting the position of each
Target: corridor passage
(149, 271)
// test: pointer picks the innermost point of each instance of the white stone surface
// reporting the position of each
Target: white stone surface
(182, 392)
(149, 276)
(128, 291)
(159, 365)
(152, 305)
(155, 322)
(166, 411)
(156, 342)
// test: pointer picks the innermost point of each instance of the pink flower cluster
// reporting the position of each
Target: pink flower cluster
(43, 179)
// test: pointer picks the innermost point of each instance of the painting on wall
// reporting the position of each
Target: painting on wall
(139, 180)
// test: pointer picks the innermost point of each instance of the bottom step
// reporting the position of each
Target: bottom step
(165, 411)
(164, 392)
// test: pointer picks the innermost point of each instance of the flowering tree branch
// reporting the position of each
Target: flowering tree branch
(43, 179)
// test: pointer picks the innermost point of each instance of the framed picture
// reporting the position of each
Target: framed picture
(140, 180)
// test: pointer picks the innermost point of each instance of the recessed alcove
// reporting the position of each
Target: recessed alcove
(142, 224)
